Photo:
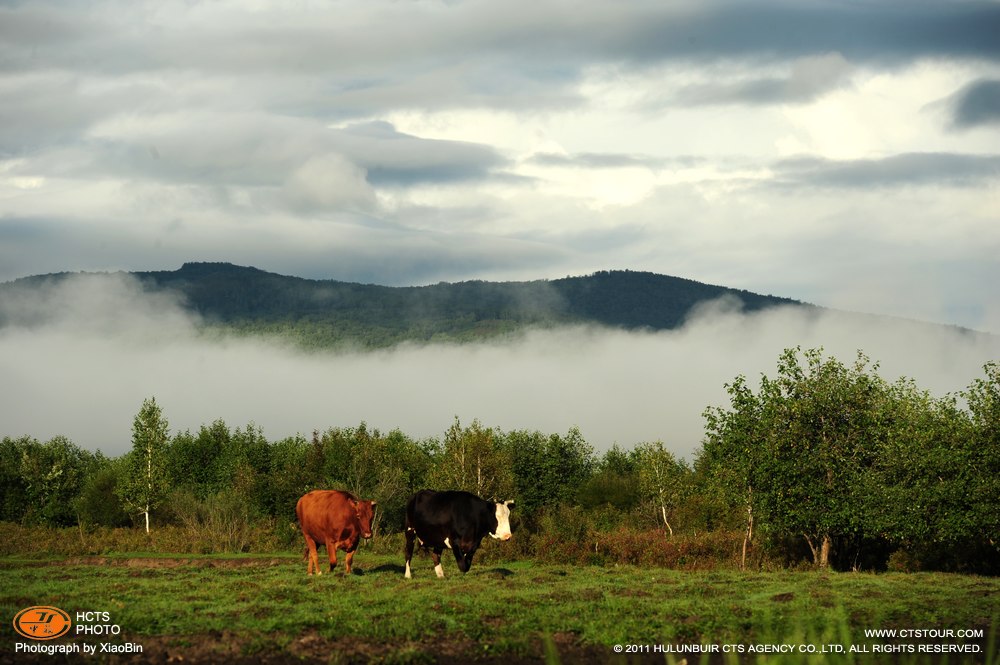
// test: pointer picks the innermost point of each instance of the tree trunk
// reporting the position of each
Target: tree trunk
(824, 552)
(821, 553)
(149, 482)
(748, 536)
(663, 512)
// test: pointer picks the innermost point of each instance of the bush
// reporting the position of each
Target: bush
(260, 537)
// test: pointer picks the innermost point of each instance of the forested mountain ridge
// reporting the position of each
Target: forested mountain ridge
(319, 313)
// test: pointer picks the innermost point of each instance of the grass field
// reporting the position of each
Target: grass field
(253, 609)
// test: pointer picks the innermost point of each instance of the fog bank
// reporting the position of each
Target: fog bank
(78, 359)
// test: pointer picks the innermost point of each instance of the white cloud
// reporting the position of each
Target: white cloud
(329, 182)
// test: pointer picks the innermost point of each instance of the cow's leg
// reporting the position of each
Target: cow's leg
(347, 562)
(331, 549)
(459, 558)
(436, 557)
(464, 558)
(312, 556)
(411, 535)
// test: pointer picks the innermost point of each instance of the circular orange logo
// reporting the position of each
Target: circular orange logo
(42, 622)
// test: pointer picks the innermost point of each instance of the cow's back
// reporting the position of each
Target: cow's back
(446, 510)
(325, 513)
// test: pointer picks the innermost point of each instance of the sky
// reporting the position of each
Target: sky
(841, 153)
(846, 154)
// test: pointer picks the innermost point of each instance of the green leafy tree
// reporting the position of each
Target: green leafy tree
(289, 476)
(983, 446)
(385, 467)
(192, 462)
(143, 484)
(548, 470)
(822, 437)
(614, 481)
(919, 482)
(728, 460)
(472, 459)
(13, 486)
(243, 465)
(663, 479)
(40, 483)
(802, 447)
(98, 502)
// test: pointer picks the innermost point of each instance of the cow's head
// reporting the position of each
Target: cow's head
(503, 520)
(365, 510)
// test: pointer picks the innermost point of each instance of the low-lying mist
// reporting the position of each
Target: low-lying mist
(78, 358)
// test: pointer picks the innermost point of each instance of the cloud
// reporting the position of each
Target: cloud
(607, 160)
(910, 169)
(977, 105)
(407, 143)
(808, 79)
(87, 383)
(329, 182)
(254, 149)
(112, 305)
(890, 32)
(373, 49)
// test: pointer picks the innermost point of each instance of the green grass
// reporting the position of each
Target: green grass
(515, 608)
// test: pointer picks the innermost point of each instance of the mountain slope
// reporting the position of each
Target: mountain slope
(319, 313)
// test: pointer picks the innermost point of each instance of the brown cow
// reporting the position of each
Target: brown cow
(336, 520)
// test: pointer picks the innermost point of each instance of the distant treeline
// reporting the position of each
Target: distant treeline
(824, 463)
(231, 299)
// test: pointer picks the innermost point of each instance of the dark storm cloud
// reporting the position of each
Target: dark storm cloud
(921, 169)
(978, 105)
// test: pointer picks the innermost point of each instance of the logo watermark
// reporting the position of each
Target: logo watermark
(41, 624)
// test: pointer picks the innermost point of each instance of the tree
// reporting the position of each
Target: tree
(289, 476)
(802, 447)
(730, 454)
(371, 465)
(98, 502)
(983, 446)
(663, 479)
(40, 481)
(614, 481)
(13, 485)
(548, 470)
(144, 482)
(823, 430)
(474, 460)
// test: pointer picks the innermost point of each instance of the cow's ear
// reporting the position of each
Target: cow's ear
(509, 504)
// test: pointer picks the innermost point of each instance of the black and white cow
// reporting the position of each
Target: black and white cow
(454, 520)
